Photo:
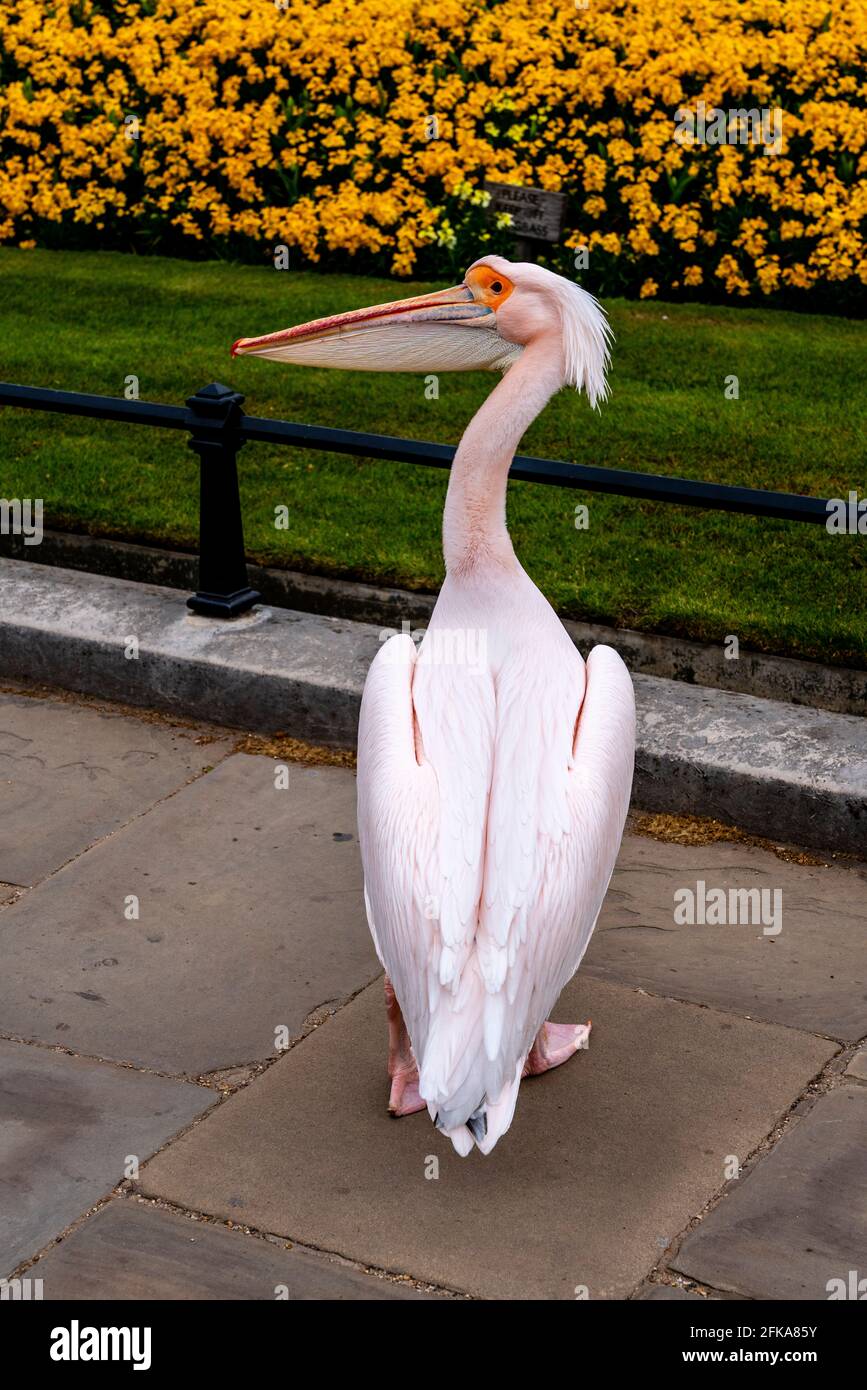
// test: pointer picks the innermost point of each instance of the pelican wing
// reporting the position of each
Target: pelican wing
(422, 834)
(554, 828)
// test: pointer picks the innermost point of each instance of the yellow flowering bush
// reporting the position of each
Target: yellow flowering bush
(360, 133)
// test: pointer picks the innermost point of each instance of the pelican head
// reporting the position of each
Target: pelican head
(486, 322)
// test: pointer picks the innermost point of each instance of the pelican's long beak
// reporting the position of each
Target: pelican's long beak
(426, 333)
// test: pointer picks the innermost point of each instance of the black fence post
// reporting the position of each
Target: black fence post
(224, 589)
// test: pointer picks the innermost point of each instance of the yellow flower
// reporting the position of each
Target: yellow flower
(369, 128)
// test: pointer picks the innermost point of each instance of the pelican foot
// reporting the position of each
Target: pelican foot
(555, 1043)
(404, 1098)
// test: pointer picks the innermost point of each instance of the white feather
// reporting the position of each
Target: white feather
(586, 337)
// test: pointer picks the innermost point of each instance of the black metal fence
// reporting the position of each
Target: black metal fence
(218, 428)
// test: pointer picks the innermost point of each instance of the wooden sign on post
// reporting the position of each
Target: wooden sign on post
(536, 215)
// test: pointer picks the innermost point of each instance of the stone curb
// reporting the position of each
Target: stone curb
(841, 689)
(785, 771)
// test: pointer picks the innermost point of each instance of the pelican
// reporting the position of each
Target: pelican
(494, 765)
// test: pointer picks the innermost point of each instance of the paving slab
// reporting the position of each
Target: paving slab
(67, 1129)
(70, 774)
(130, 1250)
(799, 1219)
(250, 917)
(812, 974)
(607, 1160)
(858, 1065)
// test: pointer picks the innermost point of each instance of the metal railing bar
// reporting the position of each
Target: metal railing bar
(615, 481)
(590, 478)
(173, 417)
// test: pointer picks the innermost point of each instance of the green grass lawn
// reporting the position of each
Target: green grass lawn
(85, 321)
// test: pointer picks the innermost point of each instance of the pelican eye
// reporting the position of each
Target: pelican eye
(497, 287)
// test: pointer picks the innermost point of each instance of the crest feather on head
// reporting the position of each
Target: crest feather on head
(586, 336)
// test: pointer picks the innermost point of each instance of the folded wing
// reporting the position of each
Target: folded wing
(487, 855)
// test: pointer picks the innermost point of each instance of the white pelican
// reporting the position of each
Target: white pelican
(494, 767)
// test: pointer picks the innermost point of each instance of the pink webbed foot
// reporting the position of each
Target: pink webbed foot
(404, 1098)
(555, 1044)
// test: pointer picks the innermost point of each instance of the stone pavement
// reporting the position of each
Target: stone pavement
(192, 1055)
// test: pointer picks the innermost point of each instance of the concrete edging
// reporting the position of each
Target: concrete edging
(780, 770)
(838, 688)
